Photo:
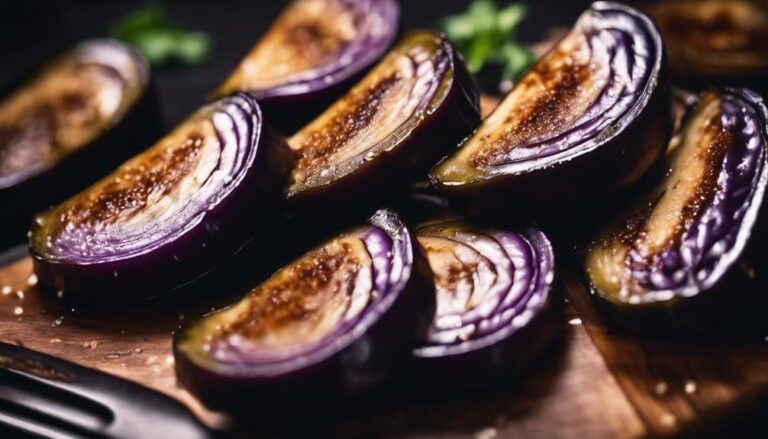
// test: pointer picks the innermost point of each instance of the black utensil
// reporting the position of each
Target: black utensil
(43, 396)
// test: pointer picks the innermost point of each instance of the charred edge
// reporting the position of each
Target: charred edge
(289, 299)
(714, 154)
(537, 118)
(360, 110)
(164, 169)
(312, 42)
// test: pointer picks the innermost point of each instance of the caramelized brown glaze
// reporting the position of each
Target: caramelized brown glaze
(374, 116)
(59, 112)
(308, 34)
(689, 187)
(139, 197)
(301, 303)
(713, 25)
(692, 182)
(556, 98)
(452, 274)
(130, 188)
(357, 111)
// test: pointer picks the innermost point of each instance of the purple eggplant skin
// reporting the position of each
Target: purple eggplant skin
(291, 104)
(344, 369)
(218, 230)
(612, 161)
(505, 353)
(126, 136)
(376, 180)
(735, 285)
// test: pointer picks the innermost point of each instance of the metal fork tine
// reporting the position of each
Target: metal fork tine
(47, 396)
(43, 401)
(21, 425)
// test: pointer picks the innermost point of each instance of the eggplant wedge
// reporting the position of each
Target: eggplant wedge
(388, 130)
(714, 40)
(589, 119)
(328, 326)
(688, 252)
(170, 214)
(313, 52)
(76, 119)
(494, 303)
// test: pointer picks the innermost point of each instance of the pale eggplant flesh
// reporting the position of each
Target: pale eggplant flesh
(586, 121)
(61, 129)
(495, 309)
(389, 129)
(169, 214)
(688, 251)
(313, 52)
(332, 324)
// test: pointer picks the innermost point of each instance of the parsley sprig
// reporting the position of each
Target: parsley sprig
(486, 34)
(161, 40)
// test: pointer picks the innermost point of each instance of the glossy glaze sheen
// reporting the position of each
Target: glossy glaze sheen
(311, 54)
(64, 127)
(332, 324)
(169, 214)
(586, 121)
(697, 229)
(386, 132)
(494, 292)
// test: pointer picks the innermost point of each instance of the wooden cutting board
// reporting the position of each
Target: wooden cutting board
(594, 382)
(591, 383)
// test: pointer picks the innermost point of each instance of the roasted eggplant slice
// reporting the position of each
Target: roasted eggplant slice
(590, 118)
(387, 131)
(334, 322)
(78, 117)
(314, 51)
(711, 40)
(169, 214)
(694, 235)
(494, 310)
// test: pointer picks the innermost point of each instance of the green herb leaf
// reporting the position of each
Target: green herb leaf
(486, 35)
(159, 39)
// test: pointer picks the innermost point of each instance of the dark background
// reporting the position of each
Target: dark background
(34, 30)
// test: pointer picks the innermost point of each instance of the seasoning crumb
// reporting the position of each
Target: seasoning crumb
(575, 322)
(18, 311)
(691, 387)
(32, 280)
(169, 360)
(93, 344)
(661, 388)
(55, 340)
(7, 290)
(152, 359)
(486, 433)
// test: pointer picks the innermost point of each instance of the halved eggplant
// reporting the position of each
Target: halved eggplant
(713, 39)
(169, 214)
(494, 303)
(70, 124)
(693, 240)
(332, 324)
(590, 118)
(313, 52)
(387, 131)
